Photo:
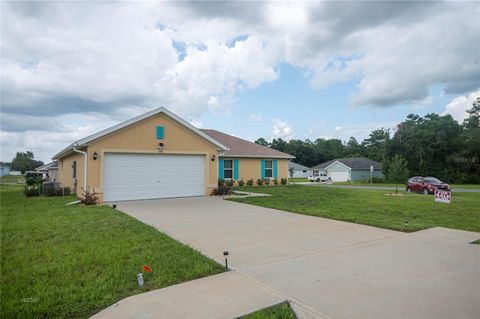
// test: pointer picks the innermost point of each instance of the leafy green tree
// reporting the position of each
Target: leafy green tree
(397, 171)
(262, 141)
(279, 144)
(376, 145)
(354, 149)
(25, 161)
(469, 158)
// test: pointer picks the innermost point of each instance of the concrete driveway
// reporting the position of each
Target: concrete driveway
(330, 269)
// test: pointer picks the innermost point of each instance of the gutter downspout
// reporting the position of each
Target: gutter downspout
(85, 156)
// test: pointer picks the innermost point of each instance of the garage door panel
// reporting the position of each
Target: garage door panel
(339, 176)
(146, 176)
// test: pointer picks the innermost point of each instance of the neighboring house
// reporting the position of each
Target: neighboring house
(160, 155)
(4, 169)
(299, 171)
(349, 169)
(50, 171)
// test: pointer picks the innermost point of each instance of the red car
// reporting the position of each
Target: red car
(426, 185)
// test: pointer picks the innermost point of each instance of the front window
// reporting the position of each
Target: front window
(227, 169)
(268, 169)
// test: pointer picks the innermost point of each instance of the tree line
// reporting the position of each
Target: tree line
(433, 145)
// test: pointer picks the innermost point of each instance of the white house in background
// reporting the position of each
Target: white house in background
(299, 171)
(4, 169)
(49, 170)
(350, 169)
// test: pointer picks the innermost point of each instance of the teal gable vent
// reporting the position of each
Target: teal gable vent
(160, 133)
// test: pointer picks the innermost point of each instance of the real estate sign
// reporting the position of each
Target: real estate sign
(443, 196)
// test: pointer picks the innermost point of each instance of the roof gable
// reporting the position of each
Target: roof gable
(297, 167)
(355, 163)
(161, 110)
(238, 147)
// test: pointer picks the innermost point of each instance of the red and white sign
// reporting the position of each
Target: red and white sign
(443, 196)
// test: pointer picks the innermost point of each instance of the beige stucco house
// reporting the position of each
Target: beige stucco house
(160, 155)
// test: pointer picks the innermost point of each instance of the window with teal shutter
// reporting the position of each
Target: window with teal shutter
(220, 169)
(275, 168)
(262, 169)
(160, 133)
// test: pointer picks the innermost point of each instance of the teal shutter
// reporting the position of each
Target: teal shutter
(263, 169)
(220, 169)
(235, 169)
(160, 133)
(275, 168)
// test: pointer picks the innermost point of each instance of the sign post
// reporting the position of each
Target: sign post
(371, 174)
(443, 196)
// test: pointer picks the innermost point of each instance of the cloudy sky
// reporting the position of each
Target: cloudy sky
(252, 69)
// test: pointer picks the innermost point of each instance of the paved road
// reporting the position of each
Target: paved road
(328, 268)
(401, 187)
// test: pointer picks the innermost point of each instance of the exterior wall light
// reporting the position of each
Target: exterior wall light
(161, 147)
(95, 156)
(213, 158)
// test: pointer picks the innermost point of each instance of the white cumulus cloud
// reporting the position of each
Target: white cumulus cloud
(281, 129)
(458, 106)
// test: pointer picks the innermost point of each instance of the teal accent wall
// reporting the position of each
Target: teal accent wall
(263, 169)
(160, 133)
(220, 169)
(275, 169)
(235, 169)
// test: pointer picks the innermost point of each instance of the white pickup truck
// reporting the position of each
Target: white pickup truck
(319, 177)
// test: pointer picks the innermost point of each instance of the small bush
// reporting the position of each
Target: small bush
(230, 182)
(259, 182)
(89, 198)
(266, 181)
(241, 183)
(250, 182)
(284, 181)
(275, 181)
(30, 181)
(31, 190)
(378, 180)
(221, 182)
(222, 190)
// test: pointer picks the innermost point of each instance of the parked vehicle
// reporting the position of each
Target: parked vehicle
(426, 185)
(319, 177)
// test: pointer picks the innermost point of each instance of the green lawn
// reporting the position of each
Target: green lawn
(11, 179)
(62, 261)
(298, 180)
(372, 207)
(402, 186)
(280, 311)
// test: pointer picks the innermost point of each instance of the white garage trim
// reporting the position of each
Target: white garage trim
(336, 163)
(148, 175)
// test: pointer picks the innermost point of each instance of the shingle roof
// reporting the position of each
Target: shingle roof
(161, 110)
(297, 167)
(355, 163)
(242, 148)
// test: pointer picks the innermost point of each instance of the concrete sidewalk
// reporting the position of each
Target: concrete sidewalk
(224, 296)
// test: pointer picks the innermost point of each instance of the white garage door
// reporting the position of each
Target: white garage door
(148, 176)
(339, 176)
